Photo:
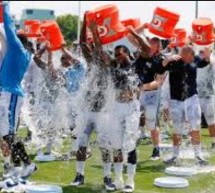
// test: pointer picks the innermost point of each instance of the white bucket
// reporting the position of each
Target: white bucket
(45, 158)
(43, 189)
(171, 182)
(180, 171)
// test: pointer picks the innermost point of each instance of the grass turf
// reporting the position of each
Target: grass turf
(62, 173)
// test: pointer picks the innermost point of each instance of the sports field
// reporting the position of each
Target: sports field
(62, 173)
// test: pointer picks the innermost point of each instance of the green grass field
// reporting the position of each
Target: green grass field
(62, 173)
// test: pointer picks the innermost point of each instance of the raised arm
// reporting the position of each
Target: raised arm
(87, 52)
(144, 45)
(10, 30)
(41, 63)
(103, 56)
(69, 55)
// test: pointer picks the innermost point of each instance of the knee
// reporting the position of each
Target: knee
(82, 154)
(106, 157)
(118, 156)
(132, 157)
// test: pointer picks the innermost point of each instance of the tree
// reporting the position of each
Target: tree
(68, 25)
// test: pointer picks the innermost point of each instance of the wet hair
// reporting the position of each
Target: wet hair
(23, 39)
(125, 49)
(188, 49)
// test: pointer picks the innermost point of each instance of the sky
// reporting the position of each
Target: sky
(128, 9)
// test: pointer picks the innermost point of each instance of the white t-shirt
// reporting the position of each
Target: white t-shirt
(206, 80)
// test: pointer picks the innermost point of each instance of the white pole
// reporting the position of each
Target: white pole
(197, 9)
(79, 22)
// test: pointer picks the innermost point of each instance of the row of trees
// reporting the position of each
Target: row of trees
(69, 27)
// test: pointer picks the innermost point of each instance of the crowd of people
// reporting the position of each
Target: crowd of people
(104, 93)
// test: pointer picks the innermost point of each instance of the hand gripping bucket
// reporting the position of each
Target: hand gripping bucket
(163, 23)
(135, 23)
(51, 31)
(203, 31)
(179, 39)
(32, 28)
(109, 26)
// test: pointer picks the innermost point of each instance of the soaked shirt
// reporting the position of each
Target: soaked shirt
(74, 75)
(97, 88)
(49, 90)
(206, 81)
(148, 68)
(183, 78)
(124, 77)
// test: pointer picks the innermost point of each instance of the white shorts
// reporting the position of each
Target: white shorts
(208, 109)
(124, 126)
(10, 107)
(92, 121)
(150, 103)
(182, 111)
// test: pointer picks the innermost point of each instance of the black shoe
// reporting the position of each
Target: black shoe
(171, 161)
(109, 186)
(202, 161)
(79, 180)
(155, 154)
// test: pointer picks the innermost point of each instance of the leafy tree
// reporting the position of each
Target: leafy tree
(68, 25)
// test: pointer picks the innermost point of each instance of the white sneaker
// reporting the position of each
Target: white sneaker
(128, 189)
(119, 184)
(29, 170)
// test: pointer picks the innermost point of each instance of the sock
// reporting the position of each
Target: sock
(80, 166)
(197, 150)
(176, 151)
(131, 173)
(118, 168)
(107, 169)
(49, 147)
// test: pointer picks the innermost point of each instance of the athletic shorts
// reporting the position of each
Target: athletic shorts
(208, 109)
(150, 103)
(124, 126)
(92, 121)
(10, 107)
(182, 111)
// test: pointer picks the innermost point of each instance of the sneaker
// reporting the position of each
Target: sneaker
(109, 186)
(11, 172)
(155, 154)
(10, 183)
(128, 189)
(29, 170)
(213, 146)
(172, 161)
(119, 184)
(202, 161)
(79, 180)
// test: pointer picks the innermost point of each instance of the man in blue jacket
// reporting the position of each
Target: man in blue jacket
(12, 71)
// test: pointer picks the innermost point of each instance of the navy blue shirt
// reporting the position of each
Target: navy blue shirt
(148, 68)
(182, 78)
